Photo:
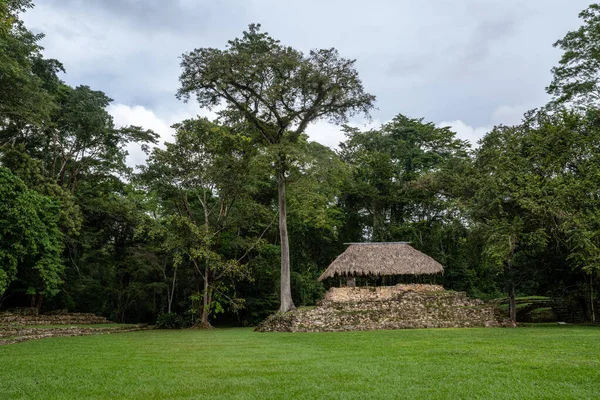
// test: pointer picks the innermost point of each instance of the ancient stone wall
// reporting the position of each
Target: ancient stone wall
(51, 319)
(18, 326)
(378, 293)
(392, 307)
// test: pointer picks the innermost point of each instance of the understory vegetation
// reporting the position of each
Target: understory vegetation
(236, 218)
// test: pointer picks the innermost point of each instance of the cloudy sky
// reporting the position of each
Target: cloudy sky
(469, 64)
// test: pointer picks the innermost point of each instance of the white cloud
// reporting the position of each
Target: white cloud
(465, 131)
(140, 116)
(125, 115)
(331, 135)
(325, 133)
(507, 115)
(503, 115)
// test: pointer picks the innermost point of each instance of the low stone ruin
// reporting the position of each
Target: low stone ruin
(19, 326)
(52, 319)
(388, 307)
(16, 334)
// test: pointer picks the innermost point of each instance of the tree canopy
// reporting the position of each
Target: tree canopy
(31, 241)
(576, 78)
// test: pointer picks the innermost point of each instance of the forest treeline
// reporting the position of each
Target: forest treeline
(197, 230)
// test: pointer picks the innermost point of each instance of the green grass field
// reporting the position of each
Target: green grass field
(541, 362)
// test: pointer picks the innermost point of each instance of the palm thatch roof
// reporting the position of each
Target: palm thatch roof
(376, 259)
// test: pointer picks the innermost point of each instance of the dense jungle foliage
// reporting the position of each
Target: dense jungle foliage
(197, 230)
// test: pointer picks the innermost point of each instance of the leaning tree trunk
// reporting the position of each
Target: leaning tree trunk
(593, 311)
(286, 287)
(512, 304)
(205, 303)
(171, 292)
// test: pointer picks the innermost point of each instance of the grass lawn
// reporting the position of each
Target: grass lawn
(540, 362)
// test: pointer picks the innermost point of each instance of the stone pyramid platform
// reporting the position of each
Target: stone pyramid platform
(387, 307)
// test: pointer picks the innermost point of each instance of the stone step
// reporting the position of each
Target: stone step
(59, 319)
(20, 334)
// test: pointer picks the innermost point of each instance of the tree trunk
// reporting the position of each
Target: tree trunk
(592, 298)
(39, 302)
(171, 293)
(512, 304)
(286, 287)
(205, 295)
(54, 155)
(205, 304)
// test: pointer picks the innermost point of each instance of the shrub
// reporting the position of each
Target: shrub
(169, 321)
(543, 314)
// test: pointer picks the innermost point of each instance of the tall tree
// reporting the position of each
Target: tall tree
(507, 188)
(576, 79)
(83, 138)
(406, 179)
(30, 239)
(23, 97)
(199, 179)
(400, 171)
(537, 194)
(278, 91)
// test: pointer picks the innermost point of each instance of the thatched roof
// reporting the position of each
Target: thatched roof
(396, 258)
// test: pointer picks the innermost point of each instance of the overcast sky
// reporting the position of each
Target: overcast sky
(469, 64)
